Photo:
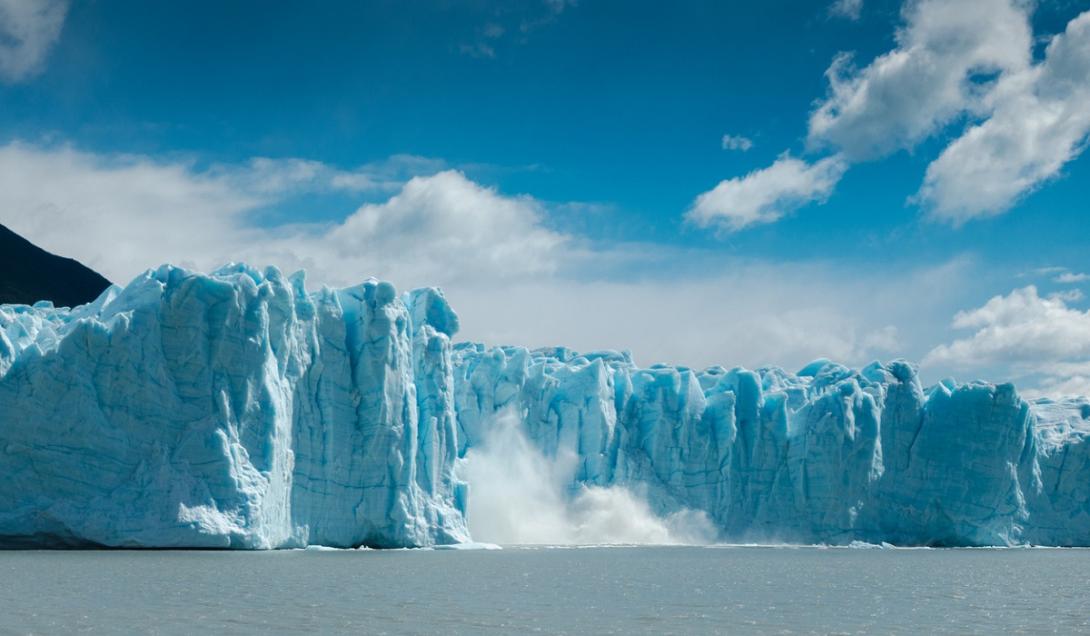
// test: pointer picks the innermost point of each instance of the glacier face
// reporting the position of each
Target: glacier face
(238, 410)
(231, 410)
(828, 455)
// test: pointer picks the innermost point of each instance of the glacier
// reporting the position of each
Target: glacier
(236, 409)
(233, 410)
(828, 455)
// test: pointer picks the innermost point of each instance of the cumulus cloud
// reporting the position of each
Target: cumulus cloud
(965, 59)
(766, 195)
(848, 9)
(28, 30)
(912, 91)
(1021, 327)
(943, 66)
(436, 221)
(1025, 332)
(737, 142)
(1039, 121)
(953, 62)
(121, 214)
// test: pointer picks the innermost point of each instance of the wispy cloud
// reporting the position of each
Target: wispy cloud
(1071, 277)
(282, 176)
(513, 25)
(553, 9)
(28, 30)
(848, 9)
(484, 44)
(737, 142)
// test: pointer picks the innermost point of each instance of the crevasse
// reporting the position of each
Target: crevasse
(237, 410)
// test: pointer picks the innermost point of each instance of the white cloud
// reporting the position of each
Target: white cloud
(737, 142)
(1069, 295)
(118, 214)
(764, 196)
(282, 176)
(1071, 277)
(1025, 333)
(937, 73)
(912, 91)
(1039, 122)
(122, 214)
(849, 9)
(28, 29)
(448, 228)
(953, 60)
(733, 313)
(1053, 387)
(514, 278)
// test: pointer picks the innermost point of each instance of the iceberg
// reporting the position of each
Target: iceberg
(238, 410)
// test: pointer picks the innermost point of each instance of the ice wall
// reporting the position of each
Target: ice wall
(230, 410)
(238, 410)
(829, 455)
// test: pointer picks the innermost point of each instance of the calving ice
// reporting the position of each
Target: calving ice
(239, 410)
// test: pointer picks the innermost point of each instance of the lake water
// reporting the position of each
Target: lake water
(678, 590)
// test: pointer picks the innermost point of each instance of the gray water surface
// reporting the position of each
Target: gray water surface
(675, 590)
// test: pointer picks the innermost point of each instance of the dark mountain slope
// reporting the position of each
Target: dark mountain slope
(29, 274)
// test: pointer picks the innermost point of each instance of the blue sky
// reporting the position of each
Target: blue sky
(698, 182)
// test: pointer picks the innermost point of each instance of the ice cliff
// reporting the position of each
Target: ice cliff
(827, 455)
(238, 410)
(231, 410)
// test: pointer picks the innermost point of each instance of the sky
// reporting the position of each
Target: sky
(699, 183)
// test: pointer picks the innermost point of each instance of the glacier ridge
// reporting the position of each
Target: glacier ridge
(238, 410)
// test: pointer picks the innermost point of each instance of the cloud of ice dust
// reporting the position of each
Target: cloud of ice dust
(518, 495)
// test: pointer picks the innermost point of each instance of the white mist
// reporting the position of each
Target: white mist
(517, 495)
